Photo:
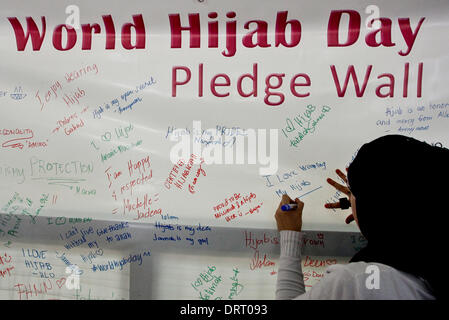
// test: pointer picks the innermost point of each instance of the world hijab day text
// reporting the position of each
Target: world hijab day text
(186, 31)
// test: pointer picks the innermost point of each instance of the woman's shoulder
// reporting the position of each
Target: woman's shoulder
(357, 268)
(378, 281)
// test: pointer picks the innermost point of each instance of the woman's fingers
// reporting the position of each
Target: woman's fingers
(349, 219)
(342, 175)
(341, 188)
(292, 219)
(299, 203)
(333, 205)
(285, 200)
(338, 186)
(336, 205)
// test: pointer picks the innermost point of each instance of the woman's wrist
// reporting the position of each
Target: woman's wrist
(291, 243)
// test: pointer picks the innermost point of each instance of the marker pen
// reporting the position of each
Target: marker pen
(288, 207)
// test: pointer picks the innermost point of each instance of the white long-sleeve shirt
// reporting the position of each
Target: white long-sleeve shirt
(345, 282)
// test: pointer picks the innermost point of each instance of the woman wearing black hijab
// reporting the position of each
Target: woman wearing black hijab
(396, 187)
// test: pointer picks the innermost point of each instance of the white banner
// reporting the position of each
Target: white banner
(204, 113)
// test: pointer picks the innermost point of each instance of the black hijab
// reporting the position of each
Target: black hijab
(400, 186)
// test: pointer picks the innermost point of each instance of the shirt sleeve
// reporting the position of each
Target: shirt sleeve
(290, 280)
(338, 282)
(341, 282)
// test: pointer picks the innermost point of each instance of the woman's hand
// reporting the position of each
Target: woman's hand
(289, 220)
(343, 189)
